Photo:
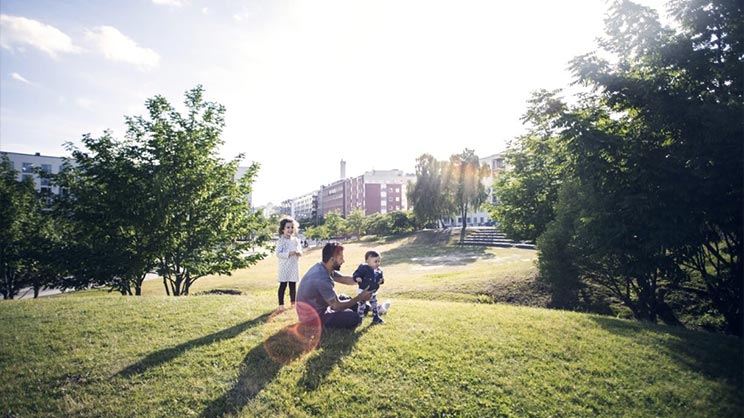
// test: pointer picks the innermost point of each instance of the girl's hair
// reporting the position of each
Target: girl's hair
(284, 223)
(331, 249)
(369, 254)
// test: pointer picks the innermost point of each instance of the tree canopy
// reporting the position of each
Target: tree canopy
(636, 187)
(161, 200)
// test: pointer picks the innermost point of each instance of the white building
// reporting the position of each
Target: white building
(26, 165)
(305, 206)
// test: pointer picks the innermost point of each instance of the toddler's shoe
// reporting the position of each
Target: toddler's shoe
(377, 320)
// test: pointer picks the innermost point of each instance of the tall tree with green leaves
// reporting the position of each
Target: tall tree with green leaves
(649, 188)
(528, 191)
(464, 175)
(676, 96)
(109, 210)
(161, 200)
(25, 234)
(201, 211)
(429, 196)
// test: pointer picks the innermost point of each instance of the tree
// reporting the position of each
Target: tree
(678, 95)
(202, 210)
(162, 200)
(25, 231)
(355, 222)
(317, 232)
(643, 192)
(428, 196)
(378, 224)
(465, 177)
(112, 211)
(401, 222)
(528, 191)
(335, 224)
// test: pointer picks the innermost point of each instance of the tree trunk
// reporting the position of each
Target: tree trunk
(464, 214)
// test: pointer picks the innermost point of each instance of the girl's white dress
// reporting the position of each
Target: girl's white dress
(289, 267)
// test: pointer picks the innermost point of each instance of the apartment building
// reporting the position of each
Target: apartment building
(27, 165)
(305, 206)
(379, 191)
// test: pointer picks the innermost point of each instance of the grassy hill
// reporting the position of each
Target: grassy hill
(441, 352)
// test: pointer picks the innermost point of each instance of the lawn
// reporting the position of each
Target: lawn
(442, 352)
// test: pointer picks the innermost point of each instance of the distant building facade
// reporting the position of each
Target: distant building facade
(377, 191)
(305, 206)
(239, 174)
(27, 164)
(334, 198)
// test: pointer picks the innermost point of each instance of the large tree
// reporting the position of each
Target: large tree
(162, 200)
(111, 213)
(26, 235)
(649, 184)
(429, 196)
(202, 210)
(677, 95)
(464, 175)
(528, 191)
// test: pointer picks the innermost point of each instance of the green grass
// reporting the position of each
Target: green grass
(99, 354)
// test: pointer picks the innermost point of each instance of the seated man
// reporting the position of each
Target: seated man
(316, 293)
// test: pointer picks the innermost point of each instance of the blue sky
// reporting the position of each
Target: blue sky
(305, 83)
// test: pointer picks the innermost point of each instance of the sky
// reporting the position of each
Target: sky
(305, 84)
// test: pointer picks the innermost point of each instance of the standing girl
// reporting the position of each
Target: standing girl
(288, 251)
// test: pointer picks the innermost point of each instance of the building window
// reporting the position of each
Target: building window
(46, 168)
(27, 168)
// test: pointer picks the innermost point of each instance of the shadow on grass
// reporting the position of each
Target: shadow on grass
(262, 364)
(163, 356)
(431, 248)
(716, 356)
(336, 344)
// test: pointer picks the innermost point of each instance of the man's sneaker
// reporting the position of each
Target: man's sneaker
(377, 320)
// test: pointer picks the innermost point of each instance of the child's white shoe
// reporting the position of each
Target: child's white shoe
(382, 309)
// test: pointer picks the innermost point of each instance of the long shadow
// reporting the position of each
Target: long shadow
(336, 344)
(262, 364)
(163, 356)
(716, 356)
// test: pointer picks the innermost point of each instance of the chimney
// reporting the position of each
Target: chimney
(343, 170)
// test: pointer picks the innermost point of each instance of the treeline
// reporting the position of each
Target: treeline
(633, 191)
(158, 201)
(358, 224)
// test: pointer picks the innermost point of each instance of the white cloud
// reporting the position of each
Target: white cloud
(19, 31)
(205, 10)
(168, 2)
(22, 79)
(118, 47)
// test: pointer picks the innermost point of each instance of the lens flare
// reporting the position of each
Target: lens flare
(286, 339)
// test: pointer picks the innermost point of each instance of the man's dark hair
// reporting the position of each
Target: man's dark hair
(331, 249)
